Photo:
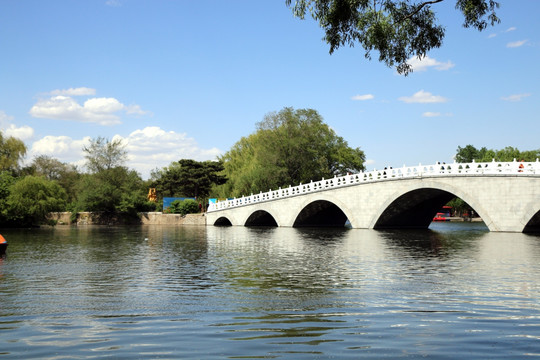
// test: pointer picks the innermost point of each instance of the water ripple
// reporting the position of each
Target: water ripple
(238, 293)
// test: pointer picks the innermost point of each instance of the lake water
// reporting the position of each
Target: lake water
(151, 292)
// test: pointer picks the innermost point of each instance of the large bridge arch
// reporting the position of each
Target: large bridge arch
(261, 214)
(414, 206)
(531, 218)
(261, 218)
(225, 219)
(222, 221)
(505, 195)
(322, 211)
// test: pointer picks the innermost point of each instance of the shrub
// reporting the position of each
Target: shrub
(188, 206)
(32, 198)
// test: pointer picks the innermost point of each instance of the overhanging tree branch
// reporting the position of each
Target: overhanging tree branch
(420, 7)
(397, 29)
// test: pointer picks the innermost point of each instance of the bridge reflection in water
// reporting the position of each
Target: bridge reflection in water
(506, 195)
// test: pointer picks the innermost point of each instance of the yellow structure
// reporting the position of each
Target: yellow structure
(152, 195)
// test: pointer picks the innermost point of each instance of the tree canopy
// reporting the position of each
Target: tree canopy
(509, 153)
(27, 195)
(184, 207)
(188, 178)
(48, 167)
(32, 198)
(289, 147)
(12, 151)
(103, 154)
(66, 175)
(111, 187)
(6, 180)
(397, 29)
(114, 190)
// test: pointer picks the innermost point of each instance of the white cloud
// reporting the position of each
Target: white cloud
(515, 97)
(135, 110)
(369, 162)
(5, 118)
(64, 148)
(510, 29)
(23, 133)
(516, 44)
(113, 3)
(427, 62)
(103, 105)
(423, 97)
(153, 147)
(60, 145)
(62, 106)
(148, 148)
(436, 114)
(82, 91)
(363, 97)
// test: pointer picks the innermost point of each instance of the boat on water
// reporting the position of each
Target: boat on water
(443, 214)
(441, 217)
(3, 245)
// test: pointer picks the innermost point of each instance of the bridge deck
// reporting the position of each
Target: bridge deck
(493, 168)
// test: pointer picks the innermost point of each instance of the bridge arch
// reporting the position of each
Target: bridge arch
(505, 194)
(261, 218)
(415, 206)
(222, 221)
(531, 219)
(321, 212)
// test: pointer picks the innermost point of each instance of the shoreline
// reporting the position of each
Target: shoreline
(145, 218)
(158, 218)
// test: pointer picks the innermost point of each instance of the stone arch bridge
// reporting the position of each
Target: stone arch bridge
(505, 195)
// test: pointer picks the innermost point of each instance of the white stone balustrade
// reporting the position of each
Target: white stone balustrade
(493, 168)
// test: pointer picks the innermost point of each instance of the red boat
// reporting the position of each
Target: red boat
(3, 245)
(444, 214)
(440, 217)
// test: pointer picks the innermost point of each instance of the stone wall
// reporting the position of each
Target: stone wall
(148, 218)
(158, 218)
(61, 218)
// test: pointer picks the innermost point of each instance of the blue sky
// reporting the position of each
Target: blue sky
(187, 79)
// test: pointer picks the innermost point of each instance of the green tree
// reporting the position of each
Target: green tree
(508, 154)
(66, 175)
(6, 180)
(166, 180)
(466, 154)
(189, 178)
(469, 153)
(32, 198)
(184, 207)
(288, 148)
(103, 154)
(396, 29)
(48, 167)
(113, 190)
(12, 151)
(460, 207)
(529, 155)
(110, 187)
